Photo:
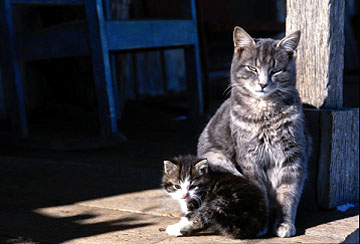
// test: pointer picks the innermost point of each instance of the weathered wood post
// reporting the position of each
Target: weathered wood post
(320, 63)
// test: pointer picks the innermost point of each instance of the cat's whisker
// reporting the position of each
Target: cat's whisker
(197, 199)
(229, 88)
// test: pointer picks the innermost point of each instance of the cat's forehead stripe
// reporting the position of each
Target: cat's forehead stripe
(264, 52)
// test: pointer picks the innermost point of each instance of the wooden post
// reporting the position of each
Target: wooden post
(320, 53)
(338, 177)
(320, 63)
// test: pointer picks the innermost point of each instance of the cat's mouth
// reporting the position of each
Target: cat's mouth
(263, 92)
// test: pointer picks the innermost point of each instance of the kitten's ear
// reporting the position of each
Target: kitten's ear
(202, 166)
(290, 42)
(242, 39)
(169, 167)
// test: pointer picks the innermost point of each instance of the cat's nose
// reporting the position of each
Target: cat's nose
(262, 85)
(184, 195)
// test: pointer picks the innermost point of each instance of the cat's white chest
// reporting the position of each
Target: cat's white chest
(261, 105)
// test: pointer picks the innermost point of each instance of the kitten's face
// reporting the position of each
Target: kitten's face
(261, 67)
(184, 178)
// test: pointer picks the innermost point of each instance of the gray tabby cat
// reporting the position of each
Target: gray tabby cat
(259, 131)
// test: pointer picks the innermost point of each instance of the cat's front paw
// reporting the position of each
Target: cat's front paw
(285, 230)
(173, 230)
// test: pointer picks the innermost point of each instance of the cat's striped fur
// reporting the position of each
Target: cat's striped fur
(259, 131)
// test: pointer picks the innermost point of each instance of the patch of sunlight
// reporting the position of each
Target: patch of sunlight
(153, 202)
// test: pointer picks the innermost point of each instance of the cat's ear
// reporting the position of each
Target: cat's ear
(242, 39)
(169, 167)
(290, 42)
(202, 166)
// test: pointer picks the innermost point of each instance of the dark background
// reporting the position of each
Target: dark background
(63, 161)
(63, 89)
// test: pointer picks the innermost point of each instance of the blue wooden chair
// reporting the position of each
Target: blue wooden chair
(105, 35)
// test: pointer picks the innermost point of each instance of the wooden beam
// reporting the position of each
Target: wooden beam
(101, 67)
(338, 176)
(193, 65)
(320, 61)
(135, 34)
(194, 80)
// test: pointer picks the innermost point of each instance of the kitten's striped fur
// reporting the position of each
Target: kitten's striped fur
(221, 202)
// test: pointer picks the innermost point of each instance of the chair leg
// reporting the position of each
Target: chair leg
(193, 64)
(114, 79)
(13, 90)
(101, 67)
(194, 81)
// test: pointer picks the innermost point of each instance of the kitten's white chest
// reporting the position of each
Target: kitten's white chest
(183, 206)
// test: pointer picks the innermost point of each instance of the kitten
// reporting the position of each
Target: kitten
(220, 202)
(259, 132)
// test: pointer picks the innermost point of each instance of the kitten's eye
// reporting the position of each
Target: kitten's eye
(177, 187)
(275, 70)
(251, 68)
(192, 187)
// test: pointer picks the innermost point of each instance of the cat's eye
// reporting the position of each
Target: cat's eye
(275, 70)
(177, 187)
(251, 68)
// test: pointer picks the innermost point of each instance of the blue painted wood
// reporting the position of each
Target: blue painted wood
(69, 40)
(107, 35)
(11, 72)
(107, 8)
(101, 66)
(2, 102)
(193, 68)
(114, 79)
(50, 2)
(193, 78)
(135, 34)
(121, 35)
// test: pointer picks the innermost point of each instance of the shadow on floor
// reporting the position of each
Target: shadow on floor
(33, 179)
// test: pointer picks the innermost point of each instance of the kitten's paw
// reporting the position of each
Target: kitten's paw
(285, 230)
(173, 230)
(180, 228)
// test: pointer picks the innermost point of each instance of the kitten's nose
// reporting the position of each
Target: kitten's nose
(184, 195)
(262, 85)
